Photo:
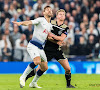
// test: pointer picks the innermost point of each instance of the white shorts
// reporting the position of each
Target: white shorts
(34, 51)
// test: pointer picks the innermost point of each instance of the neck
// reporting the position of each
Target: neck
(59, 22)
(47, 18)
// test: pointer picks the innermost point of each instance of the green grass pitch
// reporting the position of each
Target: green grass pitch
(52, 82)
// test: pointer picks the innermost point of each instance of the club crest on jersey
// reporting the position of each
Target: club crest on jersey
(45, 31)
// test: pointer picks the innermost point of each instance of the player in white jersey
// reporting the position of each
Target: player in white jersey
(42, 27)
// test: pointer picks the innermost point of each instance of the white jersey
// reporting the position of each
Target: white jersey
(41, 29)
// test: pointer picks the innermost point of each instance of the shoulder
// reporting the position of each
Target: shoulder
(64, 26)
(53, 22)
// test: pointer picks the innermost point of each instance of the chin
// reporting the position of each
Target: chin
(49, 15)
(61, 19)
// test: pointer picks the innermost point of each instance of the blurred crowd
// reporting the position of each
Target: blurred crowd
(82, 17)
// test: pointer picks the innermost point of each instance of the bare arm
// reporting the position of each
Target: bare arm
(25, 23)
(52, 40)
(56, 42)
(60, 38)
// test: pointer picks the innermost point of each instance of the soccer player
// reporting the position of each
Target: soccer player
(52, 48)
(42, 27)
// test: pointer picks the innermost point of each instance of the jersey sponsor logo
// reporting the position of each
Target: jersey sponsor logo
(45, 31)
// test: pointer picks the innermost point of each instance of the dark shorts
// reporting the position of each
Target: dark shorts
(58, 55)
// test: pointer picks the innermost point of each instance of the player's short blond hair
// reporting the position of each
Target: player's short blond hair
(60, 10)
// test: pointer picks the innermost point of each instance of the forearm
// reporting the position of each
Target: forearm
(55, 41)
(26, 23)
(52, 40)
(58, 38)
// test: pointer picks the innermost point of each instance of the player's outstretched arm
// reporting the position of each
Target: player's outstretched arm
(60, 38)
(25, 23)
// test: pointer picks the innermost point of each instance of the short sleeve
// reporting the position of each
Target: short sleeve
(36, 21)
(66, 31)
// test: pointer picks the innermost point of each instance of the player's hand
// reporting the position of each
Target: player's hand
(18, 23)
(50, 38)
(60, 43)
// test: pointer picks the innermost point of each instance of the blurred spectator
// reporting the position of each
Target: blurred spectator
(72, 6)
(15, 18)
(68, 15)
(71, 31)
(12, 10)
(48, 3)
(7, 25)
(67, 7)
(20, 48)
(84, 34)
(82, 25)
(26, 4)
(86, 21)
(81, 47)
(97, 8)
(2, 43)
(77, 35)
(22, 16)
(1, 5)
(38, 6)
(98, 28)
(72, 19)
(7, 14)
(8, 37)
(96, 17)
(56, 6)
(29, 12)
(2, 18)
(62, 4)
(36, 15)
(28, 32)
(15, 34)
(92, 30)
(79, 15)
(20, 4)
(74, 14)
(90, 46)
(66, 47)
(92, 10)
(85, 7)
(6, 53)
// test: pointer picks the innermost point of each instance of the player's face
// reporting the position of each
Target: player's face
(48, 12)
(61, 16)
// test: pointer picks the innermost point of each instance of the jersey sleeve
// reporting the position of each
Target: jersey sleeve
(36, 21)
(66, 31)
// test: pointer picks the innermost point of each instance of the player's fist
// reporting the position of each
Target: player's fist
(18, 23)
(60, 43)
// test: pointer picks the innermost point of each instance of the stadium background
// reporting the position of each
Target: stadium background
(82, 45)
